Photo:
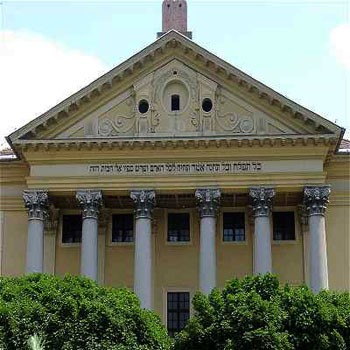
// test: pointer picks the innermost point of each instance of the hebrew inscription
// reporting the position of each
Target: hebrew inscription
(177, 168)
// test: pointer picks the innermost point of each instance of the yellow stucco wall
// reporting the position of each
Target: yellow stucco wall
(14, 240)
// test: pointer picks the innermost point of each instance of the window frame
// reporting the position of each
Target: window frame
(246, 225)
(60, 230)
(178, 211)
(110, 228)
(296, 226)
(167, 290)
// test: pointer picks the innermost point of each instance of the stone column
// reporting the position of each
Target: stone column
(143, 280)
(37, 204)
(208, 205)
(316, 199)
(90, 202)
(261, 198)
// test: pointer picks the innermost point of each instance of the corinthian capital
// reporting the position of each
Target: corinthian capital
(208, 201)
(144, 201)
(37, 203)
(90, 203)
(261, 198)
(316, 199)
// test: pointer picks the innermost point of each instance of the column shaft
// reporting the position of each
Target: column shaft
(262, 241)
(143, 262)
(318, 253)
(262, 198)
(208, 201)
(89, 248)
(35, 246)
(143, 280)
(316, 199)
(207, 255)
(37, 204)
(90, 202)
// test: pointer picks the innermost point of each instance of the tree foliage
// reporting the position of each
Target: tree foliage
(75, 313)
(258, 313)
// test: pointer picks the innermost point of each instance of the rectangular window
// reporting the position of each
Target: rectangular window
(283, 226)
(175, 103)
(179, 227)
(71, 228)
(123, 228)
(178, 311)
(233, 227)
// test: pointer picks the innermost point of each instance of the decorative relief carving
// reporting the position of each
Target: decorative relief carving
(208, 202)
(316, 199)
(90, 203)
(37, 203)
(235, 123)
(261, 198)
(144, 201)
(122, 123)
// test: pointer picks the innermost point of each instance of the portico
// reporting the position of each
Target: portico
(259, 200)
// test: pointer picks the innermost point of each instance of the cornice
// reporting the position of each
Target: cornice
(177, 142)
(175, 42)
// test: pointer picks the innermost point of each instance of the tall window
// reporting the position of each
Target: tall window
(178, 311)
(175, 102)
(233, 227)
(179, 227)
(71, 228)
(123, 228)
(283, 226)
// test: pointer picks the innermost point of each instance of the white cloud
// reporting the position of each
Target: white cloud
(36, 73)
(340, 44)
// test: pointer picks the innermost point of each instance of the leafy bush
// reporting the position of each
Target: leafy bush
(257, 313)
(75, 313)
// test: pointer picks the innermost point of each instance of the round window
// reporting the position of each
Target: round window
(143, 106)
(207, 105)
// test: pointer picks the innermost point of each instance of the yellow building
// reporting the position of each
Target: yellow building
(173, 173)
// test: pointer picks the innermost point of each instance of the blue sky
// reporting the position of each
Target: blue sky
(298, 48)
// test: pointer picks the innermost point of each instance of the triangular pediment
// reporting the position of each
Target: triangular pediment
(237, 105)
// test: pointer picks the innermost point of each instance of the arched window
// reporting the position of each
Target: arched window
(175, 103)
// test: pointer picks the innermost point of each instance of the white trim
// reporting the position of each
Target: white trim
(175, 211)
(296, 226)
(110, 243)
(243, 210)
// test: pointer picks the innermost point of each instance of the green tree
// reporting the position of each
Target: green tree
(75, 313)
(257, 313)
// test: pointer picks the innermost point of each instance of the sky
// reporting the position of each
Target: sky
(51, 49)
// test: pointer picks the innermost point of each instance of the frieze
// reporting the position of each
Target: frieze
(175, 168)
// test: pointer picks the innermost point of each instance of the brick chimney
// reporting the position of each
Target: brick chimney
(175, 17)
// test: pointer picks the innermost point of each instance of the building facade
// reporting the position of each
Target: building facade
(173, 173)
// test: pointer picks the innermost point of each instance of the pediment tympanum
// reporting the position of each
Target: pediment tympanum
(176, 100)
(174, 88)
